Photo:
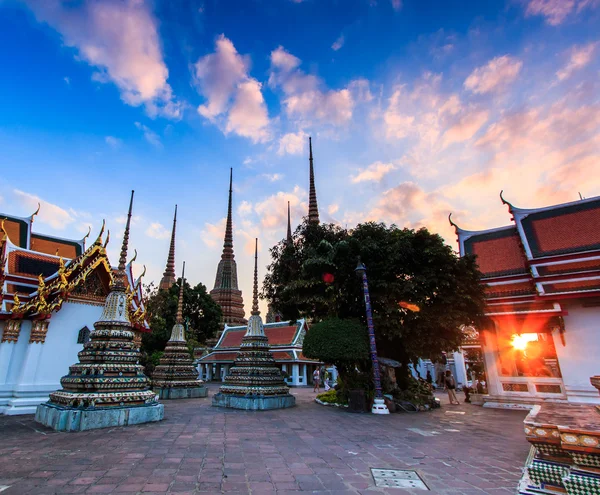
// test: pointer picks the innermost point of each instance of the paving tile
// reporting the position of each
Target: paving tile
(308, 448)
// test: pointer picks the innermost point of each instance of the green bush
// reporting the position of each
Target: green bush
(343, 343)
(331, 397)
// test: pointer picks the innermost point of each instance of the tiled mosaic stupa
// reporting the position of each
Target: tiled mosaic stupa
(176, 377)
(107, 387)
(567, 442)
(254, 382)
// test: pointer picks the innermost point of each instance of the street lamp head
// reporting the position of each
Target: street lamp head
(360, 268)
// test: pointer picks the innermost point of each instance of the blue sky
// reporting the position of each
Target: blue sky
(416, 109)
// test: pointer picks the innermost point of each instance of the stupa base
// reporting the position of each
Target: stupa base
(254, 402)
(70, 419)
(165, 393)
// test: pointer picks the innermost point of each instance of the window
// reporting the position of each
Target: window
(83, 336)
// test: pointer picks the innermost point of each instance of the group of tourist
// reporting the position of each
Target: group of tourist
(317, 375)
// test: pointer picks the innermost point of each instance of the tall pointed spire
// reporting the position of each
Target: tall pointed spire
(108, 374)
(255, 310)
(289, 238)
(226, 292)
(313, 209)
(228, 242)
(169, 277)
(255, 381)
(179, 318)
(123, 257)
(176, 377)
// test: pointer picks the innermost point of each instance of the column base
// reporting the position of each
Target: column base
(165, 393)
(379, 407)
(70, 419)
(253, 403)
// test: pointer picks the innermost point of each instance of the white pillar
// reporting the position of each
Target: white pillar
(461, 369)
(304, 382)
(295, 374)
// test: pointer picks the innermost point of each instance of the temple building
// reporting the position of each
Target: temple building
(542, 280)
(168, 278)
(226, 292)
(175, 377)
(285, 339)
(52, 290)
(254, 382)
(107, 386)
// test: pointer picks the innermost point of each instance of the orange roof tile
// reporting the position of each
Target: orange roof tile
(580, 266)
(574, 286)
(559, 231)
(499, 255)
(276, 336)
(280, 335)
(53, 246)
(514, 289)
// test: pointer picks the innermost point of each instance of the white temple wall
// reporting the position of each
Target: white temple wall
(578, 359)
(35, 369)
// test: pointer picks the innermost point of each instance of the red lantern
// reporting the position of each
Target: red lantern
(328, 278)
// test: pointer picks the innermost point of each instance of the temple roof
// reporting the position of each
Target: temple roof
(280, 334)
(19, 231)
(547, 253)
(42, 282)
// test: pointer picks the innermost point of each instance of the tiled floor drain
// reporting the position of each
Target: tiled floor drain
(398, 478)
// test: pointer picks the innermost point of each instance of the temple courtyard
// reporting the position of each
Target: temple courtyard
(461, 449)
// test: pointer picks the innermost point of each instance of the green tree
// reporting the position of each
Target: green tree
(403, 266)
(201, 315)
(343, 343)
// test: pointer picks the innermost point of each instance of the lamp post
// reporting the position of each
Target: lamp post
(379, 406)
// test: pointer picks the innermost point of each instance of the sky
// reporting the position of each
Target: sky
(416, 108)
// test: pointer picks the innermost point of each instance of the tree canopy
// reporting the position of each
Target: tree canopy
(201, 314)
(421, 291)
(343, 343)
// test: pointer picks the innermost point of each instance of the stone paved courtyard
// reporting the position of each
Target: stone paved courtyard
(310, 448)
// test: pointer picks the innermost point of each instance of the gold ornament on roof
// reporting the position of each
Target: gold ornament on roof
(16, 303)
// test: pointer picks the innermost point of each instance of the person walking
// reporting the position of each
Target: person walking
(450, 386)
(429, 378)
(316, 380)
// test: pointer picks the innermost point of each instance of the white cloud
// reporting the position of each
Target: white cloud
(397, 5)
(50, 214)
(292, 143)
(374, 172)
(113, 142)
(361, 90)
(67, 81)
(245, 208)
(555, 12)
(333, 208)
(465, 127)
(120, 39)
(273, 177)
(149, 135)
(494, 76)
(248, 115)
(157, 231)
(272, 211)
(579, 57)
(231, 94)
(337, 44)
(305, 98)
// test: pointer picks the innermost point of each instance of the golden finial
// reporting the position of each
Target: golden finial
(107, 239)
(99, 238)
(36, 212)
(56, 253)
(41, 283)
(86, 236)
(134, 256)
(5, 234)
